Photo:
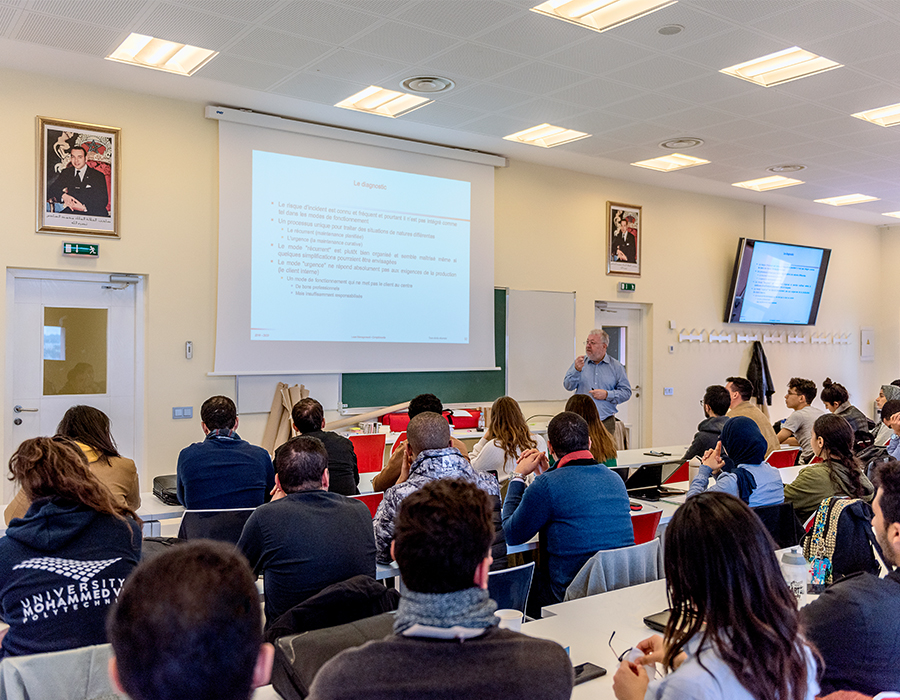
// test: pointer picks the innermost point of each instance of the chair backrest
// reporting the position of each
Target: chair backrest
(372, 500)
(74, 674)
(645, 525)
(222, 525)
(782, 523)
(400, 438)
(369, 451)
(509, 588)
(784, 458)
(610, 569)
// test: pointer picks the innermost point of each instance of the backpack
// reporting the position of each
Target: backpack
(871, 457)
(840, 541)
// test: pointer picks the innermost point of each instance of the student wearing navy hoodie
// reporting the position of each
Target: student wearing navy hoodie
(63, 564)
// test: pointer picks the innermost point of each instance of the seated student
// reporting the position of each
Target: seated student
(888, 392)
(741, 391)
(796, 427)
(428, 457)
(579, 507)
(446, 642)
(89, 428)
(507, 437)
(343, 474)
(388, 476)
(890, 416)
(307, 538)
(223, 471)
(63, 563)
(734, 631)
(603, 445)
(753, 480)
(837, 400)
(855, 623)
(838, 474)
(187, 625)
(716, 402)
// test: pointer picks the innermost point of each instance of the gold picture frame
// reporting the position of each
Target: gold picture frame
(623, 239)
(78, 178)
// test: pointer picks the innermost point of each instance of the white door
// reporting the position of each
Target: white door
(71, 339)
(625, 327)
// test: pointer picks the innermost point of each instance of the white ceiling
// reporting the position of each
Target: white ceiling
(630, 87)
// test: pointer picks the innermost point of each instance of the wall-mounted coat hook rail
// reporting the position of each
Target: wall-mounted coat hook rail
(720, 337)
(685, 337)
(820, 340)
(748, 338)
(797, 339)
(776, 338)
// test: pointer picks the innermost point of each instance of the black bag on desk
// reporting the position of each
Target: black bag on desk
(299, 657)
(165, 488)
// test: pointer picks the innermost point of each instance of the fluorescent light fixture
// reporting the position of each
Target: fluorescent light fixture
(883, 116)
(764, 184)
(895, 214)
(846, 199)
(781, 67)
(600, 15)
(150, 52)
(546, 136)
(675, 161)
(385, 103)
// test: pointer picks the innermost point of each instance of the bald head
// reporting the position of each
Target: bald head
(428, 431)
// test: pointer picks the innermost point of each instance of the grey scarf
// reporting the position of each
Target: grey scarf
(470, 607)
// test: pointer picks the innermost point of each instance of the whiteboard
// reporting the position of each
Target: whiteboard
(540, 336)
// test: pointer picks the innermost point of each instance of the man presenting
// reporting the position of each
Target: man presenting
(855, 623)
(602, 377)
(740, 390)
(446, 642)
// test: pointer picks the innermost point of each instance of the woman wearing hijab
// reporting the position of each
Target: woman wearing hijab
(883, 432)
(750, 478)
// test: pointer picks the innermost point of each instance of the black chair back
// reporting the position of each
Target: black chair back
(509, 588)
(782, 523)
(221, 525)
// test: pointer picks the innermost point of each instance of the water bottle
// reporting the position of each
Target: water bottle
(481, 420)
(795, 569)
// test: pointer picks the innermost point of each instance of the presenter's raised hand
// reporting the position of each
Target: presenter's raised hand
(579, 363)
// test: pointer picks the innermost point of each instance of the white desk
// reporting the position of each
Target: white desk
(153, 510)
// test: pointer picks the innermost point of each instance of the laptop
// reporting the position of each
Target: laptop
(644, 483)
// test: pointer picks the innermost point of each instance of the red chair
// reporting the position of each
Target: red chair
(680, 474)
(784, 458)
(369, 451)
(400, 438)
(372, 500)
(645, 525)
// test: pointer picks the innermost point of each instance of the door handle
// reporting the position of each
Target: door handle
(19, 409)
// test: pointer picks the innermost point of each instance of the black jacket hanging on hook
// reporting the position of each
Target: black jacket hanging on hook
(758, 374)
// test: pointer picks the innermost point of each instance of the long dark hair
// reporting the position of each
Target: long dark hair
(90, 426)
(837, 441)
(725, 585)
(45, 467)
(603, 447)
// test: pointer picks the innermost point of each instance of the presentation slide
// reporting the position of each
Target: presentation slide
(349, 253)
(781, 284)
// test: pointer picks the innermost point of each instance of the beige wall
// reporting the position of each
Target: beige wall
(549, 235)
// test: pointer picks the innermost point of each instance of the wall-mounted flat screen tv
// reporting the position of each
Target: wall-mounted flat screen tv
(776, 283)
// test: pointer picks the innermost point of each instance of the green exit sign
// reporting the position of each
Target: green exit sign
(92, 250)
(626, 286)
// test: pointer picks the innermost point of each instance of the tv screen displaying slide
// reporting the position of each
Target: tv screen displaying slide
(342, 252)
(776, 283)
(335, 244)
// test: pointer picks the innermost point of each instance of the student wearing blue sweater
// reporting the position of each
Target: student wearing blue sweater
(579, 507)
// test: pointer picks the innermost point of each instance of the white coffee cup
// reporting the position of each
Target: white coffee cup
(510, 619)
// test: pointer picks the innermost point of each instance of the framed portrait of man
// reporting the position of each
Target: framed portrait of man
(623, 236)
(78, 178)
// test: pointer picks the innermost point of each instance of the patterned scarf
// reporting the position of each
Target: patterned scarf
(470, 607)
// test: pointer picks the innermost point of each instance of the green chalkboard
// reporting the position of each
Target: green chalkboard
(375, 389)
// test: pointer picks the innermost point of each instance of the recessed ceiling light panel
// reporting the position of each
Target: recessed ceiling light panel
(781, 67)
(384, 103)
(547, 136)
(764, 184)
(846, 199)
(883, 116)
(600, 15)
(675, 161)
(149, 52)
(895, 214)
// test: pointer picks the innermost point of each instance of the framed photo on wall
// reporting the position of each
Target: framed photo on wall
(78, 178)
(623, 239)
